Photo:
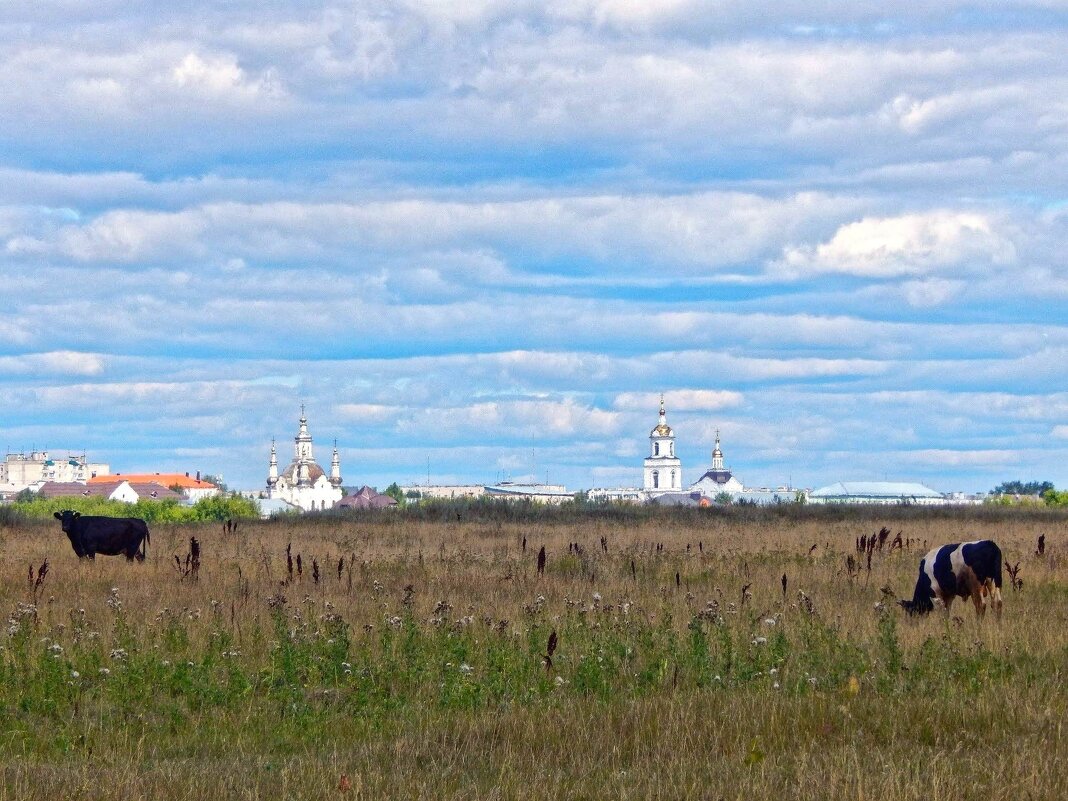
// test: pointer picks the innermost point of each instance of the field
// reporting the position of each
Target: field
(698, 654)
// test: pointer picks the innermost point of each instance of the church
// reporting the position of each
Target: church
(718, 479)
(304, 483)
(662, 468)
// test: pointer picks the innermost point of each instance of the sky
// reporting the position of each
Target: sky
(477, 240)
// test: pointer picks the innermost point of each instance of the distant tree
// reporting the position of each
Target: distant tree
(724, 499)
(1054, 497)
(230, 507)
(1022, 488)
(216, 480)
(395, 492)
(25, 496)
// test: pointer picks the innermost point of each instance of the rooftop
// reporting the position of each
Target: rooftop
(875, 489)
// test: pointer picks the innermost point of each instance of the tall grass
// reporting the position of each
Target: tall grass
(696, 655)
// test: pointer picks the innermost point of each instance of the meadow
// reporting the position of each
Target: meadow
(680, 654)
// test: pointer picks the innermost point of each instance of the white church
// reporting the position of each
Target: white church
(662, 472)
(718, 479)
(304, 483)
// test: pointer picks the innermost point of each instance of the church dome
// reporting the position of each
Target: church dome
(311, 472)
(662, 429)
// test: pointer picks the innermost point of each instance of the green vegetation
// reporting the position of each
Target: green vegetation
(396, 493)
(218, 508)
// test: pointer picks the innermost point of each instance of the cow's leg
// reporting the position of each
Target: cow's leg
(995, 598)
(978, 600)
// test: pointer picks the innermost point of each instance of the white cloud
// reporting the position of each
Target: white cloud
(366, 413)
(683, 400)
(930, 292)
(912, 244)
(54, 363)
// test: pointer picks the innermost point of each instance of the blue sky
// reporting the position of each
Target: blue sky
(487, 235)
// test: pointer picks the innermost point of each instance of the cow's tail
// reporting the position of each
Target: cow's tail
(995, 572)
(144, 544)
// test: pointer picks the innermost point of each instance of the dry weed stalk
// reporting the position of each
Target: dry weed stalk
(549, 651)
(36, 582)
(189, 568)
(1014, 575)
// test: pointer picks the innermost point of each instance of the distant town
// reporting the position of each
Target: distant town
(303, 485)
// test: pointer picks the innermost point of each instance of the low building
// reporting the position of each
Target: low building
(878, 492)
(538, 493)
(616, 495)
(275, 507)
(366, 498)
(446, 491)
(191, 488)
(120, 490)
(20, 470)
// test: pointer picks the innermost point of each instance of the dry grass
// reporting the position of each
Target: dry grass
(221, 691)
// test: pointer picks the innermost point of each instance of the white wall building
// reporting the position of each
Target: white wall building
(19, 470)
(304, 483)
(662, 468)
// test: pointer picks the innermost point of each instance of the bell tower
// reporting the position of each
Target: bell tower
(662, 468)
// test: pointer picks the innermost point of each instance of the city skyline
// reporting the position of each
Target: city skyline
(492, 234)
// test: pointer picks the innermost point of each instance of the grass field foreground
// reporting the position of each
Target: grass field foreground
(699, 656)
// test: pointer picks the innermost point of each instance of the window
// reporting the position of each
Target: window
(656, 449)
(671, 449)
(672, 478)
(656, 479)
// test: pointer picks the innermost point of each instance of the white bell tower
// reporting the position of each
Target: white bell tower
(662, 468)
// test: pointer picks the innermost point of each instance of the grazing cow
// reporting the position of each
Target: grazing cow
(90, 535)
(965, 570)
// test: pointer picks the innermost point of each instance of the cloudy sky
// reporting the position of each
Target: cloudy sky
(482, 237)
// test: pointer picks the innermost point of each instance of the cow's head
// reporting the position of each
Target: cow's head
(66, 519)
(921, 602)
(917, 606)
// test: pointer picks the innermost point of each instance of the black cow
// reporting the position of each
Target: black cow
(960, 570)
(90, 535)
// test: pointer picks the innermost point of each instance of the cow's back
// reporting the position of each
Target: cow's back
(110, 535)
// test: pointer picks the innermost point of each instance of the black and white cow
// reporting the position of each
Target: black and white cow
(960, 570)
(90, 535)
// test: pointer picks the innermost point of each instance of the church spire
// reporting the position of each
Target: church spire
(717, 455)
(302, 443)
(272, 472)
(335, 467)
